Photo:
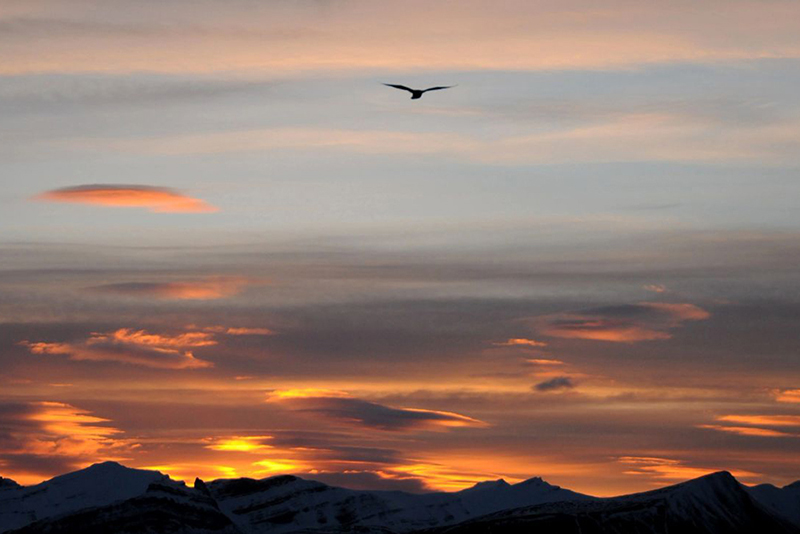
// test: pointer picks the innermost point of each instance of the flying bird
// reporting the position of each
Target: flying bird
(417, 93)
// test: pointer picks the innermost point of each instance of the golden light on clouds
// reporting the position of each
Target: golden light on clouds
(154, 199)
(788, 395)
(766, 420)
(521, 342)
(240, 444)
(306, 393)
(136, 347)
(437, 477)
(341, 406)
(211, 288)
(631, 323)
(747, 431)
(669, 469)
(543, 361)
(58, 433)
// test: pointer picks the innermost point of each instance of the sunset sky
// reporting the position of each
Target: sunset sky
(227, 250)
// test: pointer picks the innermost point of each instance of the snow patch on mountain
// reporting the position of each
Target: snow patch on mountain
(98, 485)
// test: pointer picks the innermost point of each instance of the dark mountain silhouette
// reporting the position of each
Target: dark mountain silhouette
(417, 93)
(110, 498)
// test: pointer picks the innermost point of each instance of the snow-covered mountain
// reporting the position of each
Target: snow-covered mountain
(110, 498)
(712, 504)
(784, 501)
(288, 504)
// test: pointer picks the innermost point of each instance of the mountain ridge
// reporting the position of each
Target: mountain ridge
(109, 497)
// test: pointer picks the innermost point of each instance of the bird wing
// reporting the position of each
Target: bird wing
(403, 87)
(437, 88)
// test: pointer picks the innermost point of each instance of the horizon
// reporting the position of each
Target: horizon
(228, 249)
(191, 484)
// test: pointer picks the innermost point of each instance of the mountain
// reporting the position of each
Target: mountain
(784, 501)
(109, 498)
(289, 504)
(713, 504)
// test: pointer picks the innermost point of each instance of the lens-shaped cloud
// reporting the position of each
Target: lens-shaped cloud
(340, 406)
(669, 468)
(154, 199)
(555, 384)
(788, 395)
(41, 438)
(520, 342)
(206, 289)
(136, 347)
(630, 323)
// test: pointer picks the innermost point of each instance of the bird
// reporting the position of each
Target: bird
(417, 93)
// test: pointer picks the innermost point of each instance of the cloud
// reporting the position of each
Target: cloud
(240, 331)
(788, 395)
(767, 420)
(669, 469)
(542, 361)
(340, 406)
(630, 323)
(253, 444)
(40, 439)
(747, 431)
(136, 347)
(209, 289)
(656, 288)
(521, 342)
(154, 199)
(553, 384)
(512, 35)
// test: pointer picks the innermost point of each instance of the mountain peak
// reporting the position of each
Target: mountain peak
(8, 483)
(490, 484)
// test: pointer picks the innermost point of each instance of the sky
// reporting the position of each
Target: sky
(227, 250)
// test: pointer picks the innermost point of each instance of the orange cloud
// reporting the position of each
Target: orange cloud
(209, 289)
(521, 342)
(541, 361)
(240, 444)
(747, 431)
(136, 347)
(341, 406)
(42, 436)
(656, 288)
(764, 420)
(788, 395)
(668, 468)
(141, 337)
(631, 323)
(155, 199)
(249, 332)
(435, 476)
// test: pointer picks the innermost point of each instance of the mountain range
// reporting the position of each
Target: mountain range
(111, 498)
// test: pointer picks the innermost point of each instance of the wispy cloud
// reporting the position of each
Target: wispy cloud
(668, 468)
(766, 420)
(41, 438)
(788, 395)
(207, 289)
(154, 199)
(136, 347)
(747, 431)
(520, 342)
(555, 384)
(630, 323)
(340, 406)
(656, 288)
(355, 35)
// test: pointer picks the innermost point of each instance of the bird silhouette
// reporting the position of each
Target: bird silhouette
(417, 93)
